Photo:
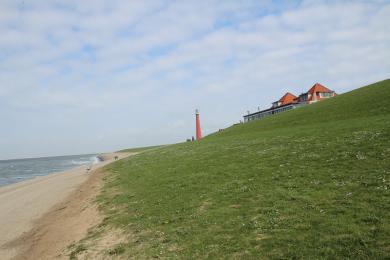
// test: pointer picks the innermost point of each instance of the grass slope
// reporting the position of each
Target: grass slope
(140, 149)
(309, 183)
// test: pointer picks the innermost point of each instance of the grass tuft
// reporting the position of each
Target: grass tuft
(79, 248)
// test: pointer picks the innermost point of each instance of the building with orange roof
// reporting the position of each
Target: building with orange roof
(288, 98)
(289, 101)
(316, 93)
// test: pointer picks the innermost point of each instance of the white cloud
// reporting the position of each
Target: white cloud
(133, 72)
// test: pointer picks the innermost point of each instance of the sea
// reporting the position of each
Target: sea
(16, 170)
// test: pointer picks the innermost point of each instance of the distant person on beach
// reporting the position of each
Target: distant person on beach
(89, 168)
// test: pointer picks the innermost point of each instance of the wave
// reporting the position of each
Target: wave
(96, 160)
(92, 160)
(15, 171)
(79, 162)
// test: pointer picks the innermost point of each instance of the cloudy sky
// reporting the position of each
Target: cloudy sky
(94, 76)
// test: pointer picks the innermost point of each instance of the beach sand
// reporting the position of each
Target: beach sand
(39, 218)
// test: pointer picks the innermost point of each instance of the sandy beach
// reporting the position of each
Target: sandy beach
(28, 209)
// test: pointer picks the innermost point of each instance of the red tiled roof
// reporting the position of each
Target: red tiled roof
(287, 99)
(319, 88)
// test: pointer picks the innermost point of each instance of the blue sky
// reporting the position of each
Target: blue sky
(97, 76)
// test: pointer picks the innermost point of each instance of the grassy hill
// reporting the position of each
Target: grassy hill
(309, 183)
(140, 149)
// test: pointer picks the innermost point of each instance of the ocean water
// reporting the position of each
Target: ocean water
(17, 170)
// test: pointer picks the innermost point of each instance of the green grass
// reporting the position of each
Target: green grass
(140, 149)
(79, 249)
(311, 183)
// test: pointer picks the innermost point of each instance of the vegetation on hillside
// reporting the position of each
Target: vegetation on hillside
(140, 149)
(310, 183)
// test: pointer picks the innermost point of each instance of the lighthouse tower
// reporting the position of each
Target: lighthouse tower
(198, 130)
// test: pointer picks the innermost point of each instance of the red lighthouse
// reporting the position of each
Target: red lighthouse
(198, 130)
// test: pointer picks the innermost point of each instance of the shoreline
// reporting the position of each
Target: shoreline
(4, 182)
(24, 204)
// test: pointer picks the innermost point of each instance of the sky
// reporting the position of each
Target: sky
(97, 76)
